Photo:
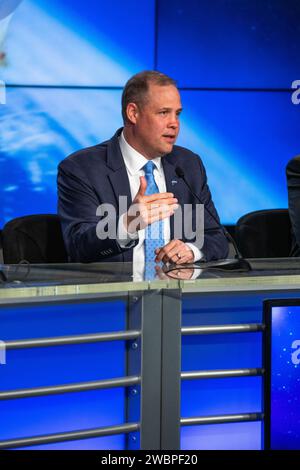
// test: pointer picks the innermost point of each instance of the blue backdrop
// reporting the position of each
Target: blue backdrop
(65, 64)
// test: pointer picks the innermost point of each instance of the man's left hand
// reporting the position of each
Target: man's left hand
(176, 251)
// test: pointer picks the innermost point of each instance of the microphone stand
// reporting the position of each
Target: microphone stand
(2, 276)
(236, 264)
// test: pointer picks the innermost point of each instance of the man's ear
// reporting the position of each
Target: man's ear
(132, 112)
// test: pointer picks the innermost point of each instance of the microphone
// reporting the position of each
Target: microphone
(239, 263)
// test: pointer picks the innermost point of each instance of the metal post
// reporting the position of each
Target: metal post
(144, 359)
(133, 366)
(151, 370)
(171, 370)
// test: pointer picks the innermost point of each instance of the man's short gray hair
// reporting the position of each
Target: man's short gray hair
(136, 89)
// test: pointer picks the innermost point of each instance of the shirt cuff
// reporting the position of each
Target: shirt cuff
(198, 255)
(124, 238)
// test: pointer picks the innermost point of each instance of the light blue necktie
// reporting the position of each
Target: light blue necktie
(153, 233)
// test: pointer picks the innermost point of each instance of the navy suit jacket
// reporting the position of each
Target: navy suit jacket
(97, 175)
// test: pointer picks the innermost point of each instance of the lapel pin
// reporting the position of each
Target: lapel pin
(173, 182)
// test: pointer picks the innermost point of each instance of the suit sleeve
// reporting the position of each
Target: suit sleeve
(215, 244)
(88, 237)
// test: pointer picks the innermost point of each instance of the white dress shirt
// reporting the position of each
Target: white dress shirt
(134, 162)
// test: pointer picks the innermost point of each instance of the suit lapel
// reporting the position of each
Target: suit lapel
(173, 185)
(118, 176)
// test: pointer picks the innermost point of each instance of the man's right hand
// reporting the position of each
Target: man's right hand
(148, 209)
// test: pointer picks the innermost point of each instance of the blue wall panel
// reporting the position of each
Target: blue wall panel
(230, 43)
(234, 436)
(245, 139)
(41, 320)
(60, 365)
(207, 397)
(39, 128)
(223, 396)
(63, 413)
(78, 43)
(99, 443)
(225, 351)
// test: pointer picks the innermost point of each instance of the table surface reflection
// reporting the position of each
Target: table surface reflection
(57, 279)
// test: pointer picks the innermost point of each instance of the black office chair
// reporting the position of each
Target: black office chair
(1, 249)
(264, 234)
(34, 238)
(293, 187)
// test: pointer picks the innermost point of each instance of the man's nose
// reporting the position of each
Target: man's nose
(174, 121)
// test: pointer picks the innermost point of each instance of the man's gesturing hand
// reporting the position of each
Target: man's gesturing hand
(176, 251)
(148, 209)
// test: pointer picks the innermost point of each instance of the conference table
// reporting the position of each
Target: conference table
(93, 358)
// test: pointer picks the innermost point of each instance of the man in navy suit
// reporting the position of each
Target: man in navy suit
(97, 178)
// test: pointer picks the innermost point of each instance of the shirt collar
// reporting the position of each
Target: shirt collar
(134, 161)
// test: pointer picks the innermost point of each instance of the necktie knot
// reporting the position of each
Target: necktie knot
(149, 168)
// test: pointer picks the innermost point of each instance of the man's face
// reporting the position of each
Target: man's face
(157, 121)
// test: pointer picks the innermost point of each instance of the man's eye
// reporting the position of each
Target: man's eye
(163, 113)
